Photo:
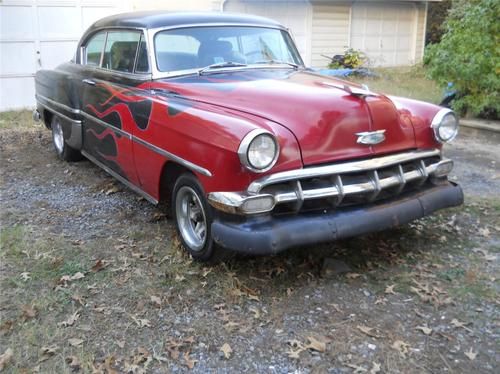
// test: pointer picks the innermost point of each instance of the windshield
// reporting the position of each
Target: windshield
(199, 47)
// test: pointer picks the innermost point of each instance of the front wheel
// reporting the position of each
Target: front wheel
(63, 150)
(193, 219)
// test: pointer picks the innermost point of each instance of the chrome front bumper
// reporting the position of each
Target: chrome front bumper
(339, 184)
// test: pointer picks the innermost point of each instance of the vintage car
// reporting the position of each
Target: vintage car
(217, 115)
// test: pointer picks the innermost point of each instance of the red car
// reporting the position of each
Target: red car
(217, 114)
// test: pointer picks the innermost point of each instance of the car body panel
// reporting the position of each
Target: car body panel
(136, 125)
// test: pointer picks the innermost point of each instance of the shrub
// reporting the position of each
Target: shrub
(351, 59)
(469, 56)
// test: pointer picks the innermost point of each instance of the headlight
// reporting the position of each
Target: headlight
(445, 125)
(258, 151)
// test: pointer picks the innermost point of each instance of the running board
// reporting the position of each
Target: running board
(133, 187)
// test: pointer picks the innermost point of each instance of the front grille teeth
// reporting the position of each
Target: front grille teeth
(352, 188)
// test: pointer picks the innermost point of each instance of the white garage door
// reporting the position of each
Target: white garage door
(385, 32)
(40, 34)
(294, 14)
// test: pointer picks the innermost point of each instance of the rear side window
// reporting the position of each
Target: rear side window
(93, 50)
(121, 50)
(142, 64)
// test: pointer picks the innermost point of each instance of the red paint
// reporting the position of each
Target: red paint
(315, 123)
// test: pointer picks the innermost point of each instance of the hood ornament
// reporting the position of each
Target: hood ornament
(371, 137)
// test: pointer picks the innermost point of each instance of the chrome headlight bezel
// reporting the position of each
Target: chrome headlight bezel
(245, 146)
(438, 121)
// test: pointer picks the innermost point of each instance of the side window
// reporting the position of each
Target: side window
(94, 48)
(120, 50)
(142, 64)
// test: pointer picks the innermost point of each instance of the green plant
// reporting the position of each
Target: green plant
(351, 59)
(469, 56)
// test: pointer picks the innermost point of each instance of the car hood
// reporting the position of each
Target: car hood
(320, 111)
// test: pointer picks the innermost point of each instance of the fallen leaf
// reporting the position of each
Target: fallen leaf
(71, 320)
(226, 349)
(120, 343)
(73, 362)
(179, 278)
(426, 330)
(6, 358)
(112, 190)
(29, 312)
(458, 324)
(294, 353)
(401, 347)
(6, 326)
(352, 275)
(253, 297)
(188, 361)
(471, 354)
(375, 368)
(156, 301)
(99, 265)
(78, 299)
(357, 369)
(25, 276)
(390, 289)
(48, 352)
(367, 331)
(75, 342)
(141, 322)
(315, 344)
(256, 312)
(77, 276)
(108, 363)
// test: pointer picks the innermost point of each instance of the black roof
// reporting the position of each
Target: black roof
(159, 18)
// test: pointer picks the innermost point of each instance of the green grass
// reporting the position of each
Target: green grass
(408, 82)
(17, 120)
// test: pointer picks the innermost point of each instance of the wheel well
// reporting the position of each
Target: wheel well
(171, 171)
(47, 118)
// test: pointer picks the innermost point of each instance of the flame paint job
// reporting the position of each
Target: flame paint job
(202, 119)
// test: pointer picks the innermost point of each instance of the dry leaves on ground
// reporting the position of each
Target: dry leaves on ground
(402, 347)
(71, 320)
(471, 355)
(75, 342)
(227, 350)
(73, 362)
(390, 289)
(6, 358)
(426, 330)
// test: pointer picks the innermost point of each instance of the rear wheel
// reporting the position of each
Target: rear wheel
(193, 219)
(63, 150)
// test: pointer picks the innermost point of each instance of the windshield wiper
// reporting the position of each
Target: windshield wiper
(220, 65)
(277, 62)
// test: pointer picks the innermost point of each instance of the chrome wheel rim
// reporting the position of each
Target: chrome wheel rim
(57, 134)
(191, 218)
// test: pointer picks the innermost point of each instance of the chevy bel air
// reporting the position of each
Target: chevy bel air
(217, 115)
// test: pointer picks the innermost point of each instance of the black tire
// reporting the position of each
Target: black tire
(187, 197)
(63, 150)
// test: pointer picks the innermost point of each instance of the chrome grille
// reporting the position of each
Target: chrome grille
(350, 183)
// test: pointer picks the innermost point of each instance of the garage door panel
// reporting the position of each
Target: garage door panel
(59, 22)
(17, 58)
(17, 92)
(16, 23)
(384, 32)
(53, 53)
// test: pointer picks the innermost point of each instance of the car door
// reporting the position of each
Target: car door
(112, 107)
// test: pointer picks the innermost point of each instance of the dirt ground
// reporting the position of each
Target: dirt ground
(93, 280)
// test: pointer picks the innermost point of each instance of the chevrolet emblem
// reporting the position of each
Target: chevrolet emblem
(371, 137)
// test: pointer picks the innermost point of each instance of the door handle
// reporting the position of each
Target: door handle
(89, 81)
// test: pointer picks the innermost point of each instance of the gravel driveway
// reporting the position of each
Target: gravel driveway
(93, 280)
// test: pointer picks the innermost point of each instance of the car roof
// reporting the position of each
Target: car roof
(158, 18)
